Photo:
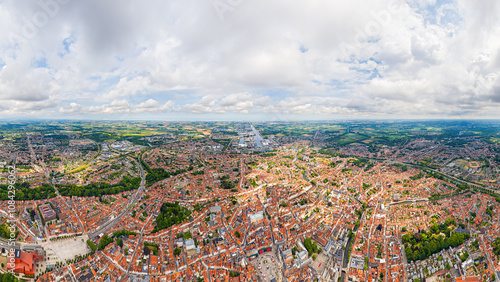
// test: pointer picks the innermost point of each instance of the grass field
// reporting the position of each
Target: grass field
(473, 164)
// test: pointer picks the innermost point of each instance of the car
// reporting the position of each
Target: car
(260, 267)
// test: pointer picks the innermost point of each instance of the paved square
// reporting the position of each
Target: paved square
(67, 248)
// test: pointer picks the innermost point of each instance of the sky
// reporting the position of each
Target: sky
(249, 59)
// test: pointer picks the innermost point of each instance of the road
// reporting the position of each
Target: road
(370, 236)
(403, 255)
(408, 202)
(450, 178)
(491, 265)
(133, 200)
(444, 175)
(447, 176)
(386, 270)
(47, 174)
(139, 242)
(69, 208)
(345, 262)
(5, 244)
(32, 152)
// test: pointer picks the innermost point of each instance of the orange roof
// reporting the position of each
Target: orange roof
(25, 264)
(468, 279)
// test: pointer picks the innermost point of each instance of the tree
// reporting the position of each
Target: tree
(237, 234)
(177, 251)
(8, 277)
(100, 188)
(123, 233)
(171, 214)
(496, 246)
(312, 247)
(105, 241)
(147, 251)
(234, 273)
(91, 245)
(424, 244)
(476, 243)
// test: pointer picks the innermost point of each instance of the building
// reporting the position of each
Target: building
(255, 217)
(303, 255)
(357, 262)
(190, 244)
(37, 250)
(25, 262)
(48, 213)
(215, 209)
(396, 197)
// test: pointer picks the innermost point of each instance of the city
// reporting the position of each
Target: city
(238, 141)
(243, 202)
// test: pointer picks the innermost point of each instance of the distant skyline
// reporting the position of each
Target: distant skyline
(249, 60)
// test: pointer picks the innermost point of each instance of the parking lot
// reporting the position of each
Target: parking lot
(266, 266)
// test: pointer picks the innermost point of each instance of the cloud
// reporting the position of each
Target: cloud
(154, 106)
(20, 83)
(296, 58)
(118, 107)
(239, 103)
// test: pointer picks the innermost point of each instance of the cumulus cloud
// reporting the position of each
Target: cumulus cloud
(118, 107)
(312, 58)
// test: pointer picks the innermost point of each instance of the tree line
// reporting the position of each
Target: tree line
(25, 193)
(100, 188)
